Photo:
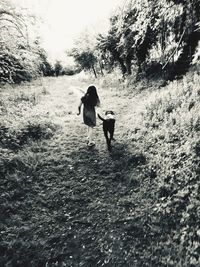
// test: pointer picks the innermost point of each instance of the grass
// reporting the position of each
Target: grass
(169, 138)
(63, 204)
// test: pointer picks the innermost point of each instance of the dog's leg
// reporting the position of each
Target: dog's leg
(110, 139)
(107, 138)
(109, 145)
(111, 134)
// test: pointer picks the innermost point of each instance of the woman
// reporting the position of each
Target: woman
(90, 100)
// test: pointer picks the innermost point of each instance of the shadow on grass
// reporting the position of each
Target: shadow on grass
(119, 151)
(98, 158)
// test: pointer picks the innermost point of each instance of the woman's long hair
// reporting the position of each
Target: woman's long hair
(91, 97)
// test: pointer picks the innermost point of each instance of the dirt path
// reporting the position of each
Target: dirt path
(84, 204)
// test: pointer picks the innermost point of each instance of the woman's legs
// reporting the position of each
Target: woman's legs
(90, 134)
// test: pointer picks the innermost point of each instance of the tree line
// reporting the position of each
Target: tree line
(146, 37)
(22, 57)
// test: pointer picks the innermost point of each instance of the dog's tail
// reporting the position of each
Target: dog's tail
(100, 117)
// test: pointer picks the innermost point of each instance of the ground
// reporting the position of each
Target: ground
(65, 204)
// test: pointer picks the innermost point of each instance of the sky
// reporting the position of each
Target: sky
(64, 20)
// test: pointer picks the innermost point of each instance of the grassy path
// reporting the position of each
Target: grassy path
(70, 205)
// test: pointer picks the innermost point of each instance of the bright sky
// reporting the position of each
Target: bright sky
(65, 19)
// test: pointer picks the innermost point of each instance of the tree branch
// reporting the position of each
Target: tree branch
(175, 50)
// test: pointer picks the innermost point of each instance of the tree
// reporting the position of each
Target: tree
(108, 45)
(45, 67)
(21, 56)
(84, 52)
(149, 32)
(187, 27)
(58, 68)
(130, 36)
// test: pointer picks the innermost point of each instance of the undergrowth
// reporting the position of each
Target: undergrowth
(168, 134)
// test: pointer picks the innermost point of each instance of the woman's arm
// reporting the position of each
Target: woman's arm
(79, 108)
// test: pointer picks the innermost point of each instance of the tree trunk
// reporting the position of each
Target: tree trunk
(93, 68)
(122, 65)
(101, 68)
(183, 63)
(117, 58)
(128, 65)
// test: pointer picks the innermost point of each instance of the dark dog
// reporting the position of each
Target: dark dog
(108, 127)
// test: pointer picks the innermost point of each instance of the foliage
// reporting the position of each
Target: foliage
(58, 68)
(45, 67)
(22, 58)
(16, 131)
(86, 55)
(146, 32)
(168, 134)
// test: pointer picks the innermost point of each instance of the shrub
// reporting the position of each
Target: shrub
(31, 132)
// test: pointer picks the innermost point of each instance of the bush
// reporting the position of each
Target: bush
(31, 132)
(58, 68)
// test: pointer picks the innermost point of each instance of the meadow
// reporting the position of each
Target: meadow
(64, 204)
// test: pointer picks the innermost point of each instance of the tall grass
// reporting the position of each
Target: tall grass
(168, 134)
